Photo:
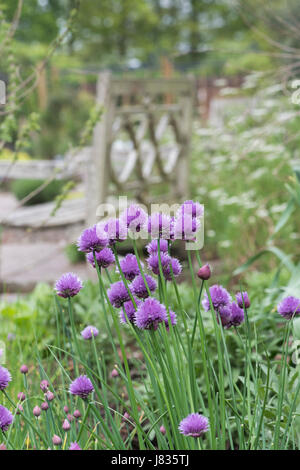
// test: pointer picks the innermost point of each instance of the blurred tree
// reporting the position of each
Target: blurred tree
(41, 20)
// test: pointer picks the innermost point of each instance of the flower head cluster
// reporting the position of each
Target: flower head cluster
(139, 288)
(114, 230)
(187, 221)
(6, 418)
(228, 313)
(130, 267)
(237, 315)
(128, 312)
(134, 218)
(118, 294)
(169, 265)
(89, 240)
(68, 285)
(152, 247)
(289, 307)
(5, 378)
(220, 297)
(89, 332)
(82, 386)
(194, 209)
(160, 226)
(194, 425)
(74, 446)
(242, 299)
(104, 258)
(150, 313)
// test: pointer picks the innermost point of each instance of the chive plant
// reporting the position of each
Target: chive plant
(164, 400)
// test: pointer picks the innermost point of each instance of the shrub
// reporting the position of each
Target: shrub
(22, 188)
(73, 255)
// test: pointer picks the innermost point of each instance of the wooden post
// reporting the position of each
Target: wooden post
(98, 170)
(167, 71)
(181, 188)
(42, 87)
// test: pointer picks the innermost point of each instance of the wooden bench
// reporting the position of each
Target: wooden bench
(141, 141)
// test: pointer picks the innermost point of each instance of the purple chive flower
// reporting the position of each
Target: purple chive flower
(166, 261)
(139, 288)
(44, 385)
(24, 369)
(11, 336)
(153, 262)
(56, 440)
(77, 414)
(129, 308)
(66, 425)
(173, 319)
(74, 446)
(224, 314)
(66, 409)
(113, 229)
(219, 296)
(289, 307)
(186, 227)
(118, 294)
(176, 269)
(89, 240)
(149, 314)
(104, 258)
(89, 332)
(3, 446)
(243, 296)
(159, 225)
(194, 425)
(6, 418)
(152, 247)
(37, 411)
(130, 267)
(237, 315)
(21, 396)
(134, 218)
(204, 272)
(68, 285)
(194, 209)
(44, 406)
(82, 386)
(70, 418)
(5, 378)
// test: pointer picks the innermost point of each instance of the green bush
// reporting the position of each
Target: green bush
(73, 255)
(21, 189)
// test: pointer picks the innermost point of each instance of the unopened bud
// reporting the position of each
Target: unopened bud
(44, 385)
(56, 440)
(66, 425)
(204, 273)
(76, 414)
(24, 369)
(37, 411)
